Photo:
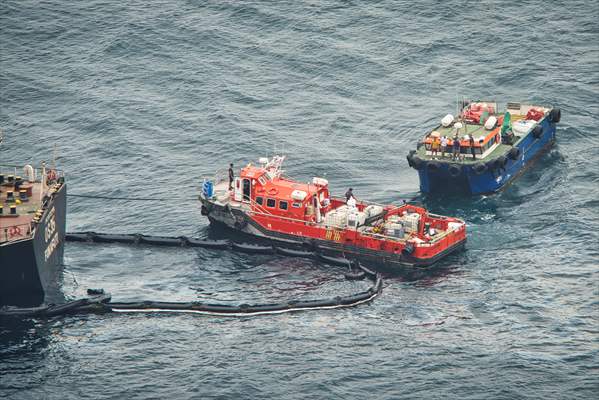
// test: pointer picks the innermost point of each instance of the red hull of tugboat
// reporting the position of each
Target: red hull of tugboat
(265, 205)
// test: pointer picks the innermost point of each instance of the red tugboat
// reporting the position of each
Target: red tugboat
(268, 205)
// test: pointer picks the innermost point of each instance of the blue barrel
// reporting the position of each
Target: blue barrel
(208, 189)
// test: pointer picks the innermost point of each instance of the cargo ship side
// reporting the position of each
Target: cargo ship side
(32, 230)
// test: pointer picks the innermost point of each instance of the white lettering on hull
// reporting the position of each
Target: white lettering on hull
(51, 247)
(50, 234)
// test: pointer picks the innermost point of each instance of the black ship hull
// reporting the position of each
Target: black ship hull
(30, 267)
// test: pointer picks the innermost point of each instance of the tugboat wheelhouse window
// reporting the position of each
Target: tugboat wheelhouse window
(246, 190)
(259, 200)
(295, 204)
(270, 203)
(283, 205)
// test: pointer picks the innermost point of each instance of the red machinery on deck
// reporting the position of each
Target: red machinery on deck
(266, 204)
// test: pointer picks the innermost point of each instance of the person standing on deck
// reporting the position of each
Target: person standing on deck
(456, 148)
(231, 176)
(472, 149)
(443, 146)
(435, 146)
(349, 194)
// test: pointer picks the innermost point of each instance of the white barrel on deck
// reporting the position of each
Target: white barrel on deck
(491, 122)
(447, 120)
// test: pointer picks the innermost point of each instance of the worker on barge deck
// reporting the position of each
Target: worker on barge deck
(456, 148)
(472, 149)
(444, 141)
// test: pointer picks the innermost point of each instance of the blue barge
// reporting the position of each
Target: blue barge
(492, 149)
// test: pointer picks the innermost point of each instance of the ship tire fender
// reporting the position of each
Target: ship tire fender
(408, 249)
(490, 165)
(514, 153)
(455, 170)
(204, 210)
(480, 168)
(410, 158)
(555, 115)
(417, 163)
(240, 222)
(537, 132)
(500, 162)
(433, 166)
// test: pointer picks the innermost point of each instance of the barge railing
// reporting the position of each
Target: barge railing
(11, 233)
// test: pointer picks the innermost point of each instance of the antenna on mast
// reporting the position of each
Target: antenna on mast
(54, 157)
(457, 105)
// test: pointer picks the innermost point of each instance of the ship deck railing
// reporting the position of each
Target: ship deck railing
(18, 170)
(14, 232)
(465, 156)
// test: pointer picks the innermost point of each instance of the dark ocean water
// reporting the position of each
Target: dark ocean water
(144, 98)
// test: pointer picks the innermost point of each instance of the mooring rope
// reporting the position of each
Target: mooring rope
(96, 196)
(99, 302)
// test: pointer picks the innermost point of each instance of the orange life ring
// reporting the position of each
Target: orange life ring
(14, 231)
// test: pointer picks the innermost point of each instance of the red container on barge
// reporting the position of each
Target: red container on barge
(264, 203)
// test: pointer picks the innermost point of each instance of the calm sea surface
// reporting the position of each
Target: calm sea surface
(144, 98)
